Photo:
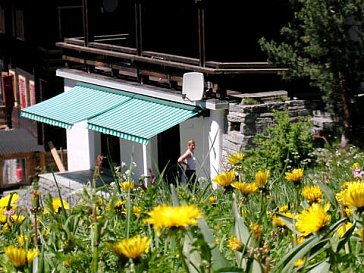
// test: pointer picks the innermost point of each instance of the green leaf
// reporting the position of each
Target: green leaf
(255, 267)
(289, 222)
(240, 229)
(175, 199)
(192, 257)
(296, 253)
(346, 237)
(329, 193)
(229, 270)
(322, 267)
(219, 260)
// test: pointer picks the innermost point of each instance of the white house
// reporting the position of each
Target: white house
(151, 125)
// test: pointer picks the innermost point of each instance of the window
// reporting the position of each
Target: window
(18, 25)
(13, 171)
(66, 27)
(2, 20)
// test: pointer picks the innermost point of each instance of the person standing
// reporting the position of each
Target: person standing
(188, 160)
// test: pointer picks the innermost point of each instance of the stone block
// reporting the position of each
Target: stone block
(236, 117)
(266, 115)
(232, 146)
(248, 130)
(235, 137)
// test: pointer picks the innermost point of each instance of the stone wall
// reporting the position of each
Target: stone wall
(245, 121)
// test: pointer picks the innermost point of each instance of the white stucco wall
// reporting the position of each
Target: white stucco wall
(197, 129)
(208, 133)
(83, 145)
(81, 152)
(216, 131)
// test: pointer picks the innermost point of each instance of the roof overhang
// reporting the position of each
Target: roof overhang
(137, 88)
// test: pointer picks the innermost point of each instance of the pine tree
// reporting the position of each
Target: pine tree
(324, 44)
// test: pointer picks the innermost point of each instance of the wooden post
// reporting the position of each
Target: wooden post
(56, 157)
(42, 161)
(1, 172)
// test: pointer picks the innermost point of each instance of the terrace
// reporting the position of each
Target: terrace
(157, 50)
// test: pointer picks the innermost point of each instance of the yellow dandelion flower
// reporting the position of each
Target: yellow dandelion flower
(295, 175)
(354, 195)
(3, 217)
(131, 248)
(137, 211)
(343, 229)
(127, 186)
(300, 239)
(9, 200)
(169, 217)
(345, 185)
(57, 204)
(22, 239)
(245, 188)
(99, 202)
(312, 219)
(256, 230)
(348, 210)
(17, 219)
(6, 228)
(19, 256)
(340, 197)
(300, 262)
(235, 244)
(312, 194)
(261, 178)
(225, 179)
(360, 232)
(283, 208)
(212, 200)
(235, 158)
(117, 205)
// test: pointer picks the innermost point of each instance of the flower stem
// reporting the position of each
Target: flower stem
(128, 210)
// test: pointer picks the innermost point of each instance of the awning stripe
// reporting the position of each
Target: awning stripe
(125, 115)
(80, 103)
(138, 120)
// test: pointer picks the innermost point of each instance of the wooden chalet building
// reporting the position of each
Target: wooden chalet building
(125, 92)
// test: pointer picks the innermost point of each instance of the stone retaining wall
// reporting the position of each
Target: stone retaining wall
(245, 121)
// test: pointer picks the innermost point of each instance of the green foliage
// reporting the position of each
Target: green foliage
(249, 101)
(74, 240)
(324, 44)
(286, 144)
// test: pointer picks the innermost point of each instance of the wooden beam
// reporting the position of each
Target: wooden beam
(171, 64)
(56, 158)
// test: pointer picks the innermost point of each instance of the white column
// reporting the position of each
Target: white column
(81, 152)
(215, 140)
(146, 161)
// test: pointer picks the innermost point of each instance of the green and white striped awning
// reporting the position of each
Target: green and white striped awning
(125, 115)
(80, 103)
(141, 118)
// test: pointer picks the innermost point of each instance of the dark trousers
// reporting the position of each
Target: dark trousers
(190, 178)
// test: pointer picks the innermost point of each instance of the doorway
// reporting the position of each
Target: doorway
(110, 148)
(168, 148)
